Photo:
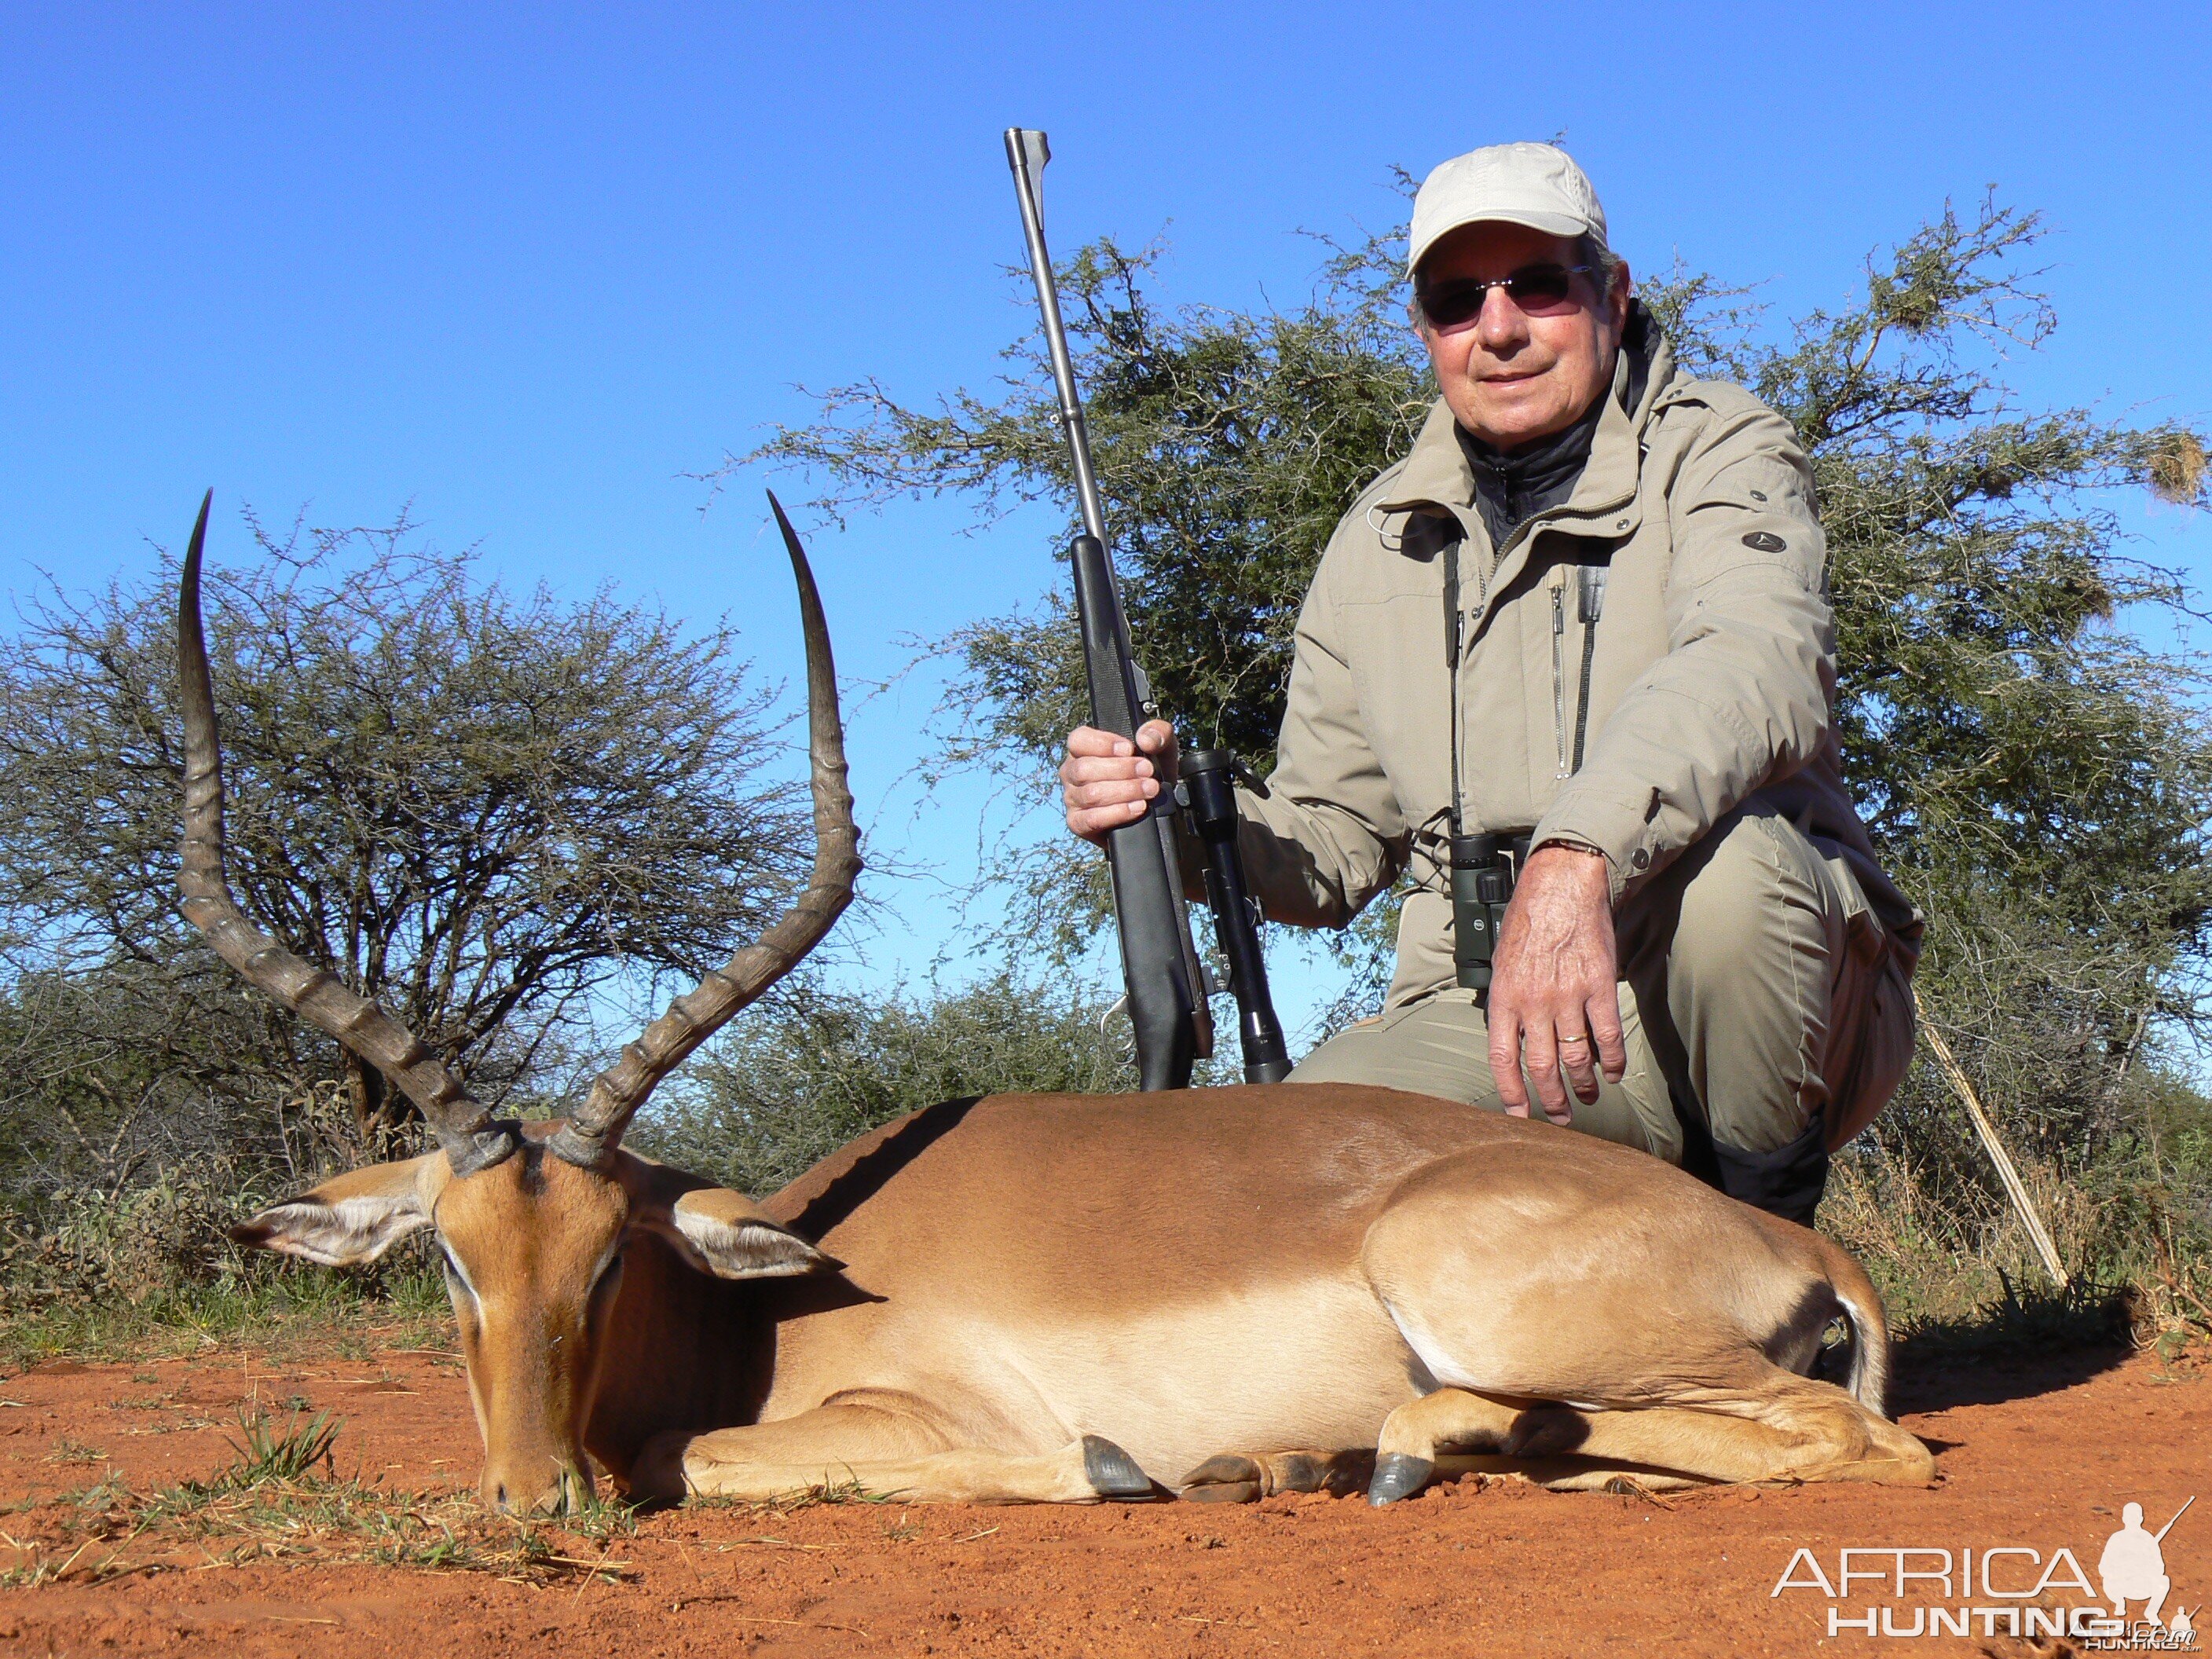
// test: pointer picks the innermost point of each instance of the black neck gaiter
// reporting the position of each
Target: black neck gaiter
(1513, 486)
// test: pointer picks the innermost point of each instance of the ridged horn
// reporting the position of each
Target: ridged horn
(472, 1137)
(617, 1093)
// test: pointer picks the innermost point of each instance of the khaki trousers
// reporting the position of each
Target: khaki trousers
(1757, 988)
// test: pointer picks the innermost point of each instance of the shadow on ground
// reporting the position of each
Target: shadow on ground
(2013, 1348)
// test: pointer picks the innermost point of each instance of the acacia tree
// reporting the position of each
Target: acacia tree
(2038, 776)
(474, 807)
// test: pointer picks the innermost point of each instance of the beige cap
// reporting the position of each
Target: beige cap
(1535, 184)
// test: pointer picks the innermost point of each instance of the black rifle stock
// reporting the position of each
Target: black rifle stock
(1160, 963)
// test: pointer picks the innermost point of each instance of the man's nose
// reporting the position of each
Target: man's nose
(1501, 323)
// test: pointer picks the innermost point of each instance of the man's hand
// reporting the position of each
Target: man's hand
(1552, 990)
(1108, 782)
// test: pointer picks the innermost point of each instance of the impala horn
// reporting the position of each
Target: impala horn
(597, 1127)
(472, 1138)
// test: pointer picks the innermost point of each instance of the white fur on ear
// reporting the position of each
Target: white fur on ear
(722, 1234)
(345, 1232)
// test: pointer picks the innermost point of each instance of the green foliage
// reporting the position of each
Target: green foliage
(788, 1089)
(139, 1241)
(274, 1306)
(147, 1266)
(2001, 727)
(108, 1076)
(1995, 716)
(1227, 447)
(2131, 1218)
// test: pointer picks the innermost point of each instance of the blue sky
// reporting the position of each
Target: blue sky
(527, 268)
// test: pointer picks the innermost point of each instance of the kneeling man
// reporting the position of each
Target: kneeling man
(1586, 614)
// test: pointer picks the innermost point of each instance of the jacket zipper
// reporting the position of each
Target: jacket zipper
(1559, 666)
(1588, 608)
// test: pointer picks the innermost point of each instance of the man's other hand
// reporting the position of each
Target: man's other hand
(1108, 782)
(1553, 1000)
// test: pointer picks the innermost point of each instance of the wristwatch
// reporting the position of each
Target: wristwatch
(1571, 842)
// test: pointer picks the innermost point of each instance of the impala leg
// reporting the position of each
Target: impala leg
(1406, 1452)
(1245, 1478)
(1792, 1428)
(883, 1452)
(1671, 1362)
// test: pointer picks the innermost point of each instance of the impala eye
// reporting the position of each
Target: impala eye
(455, 1279)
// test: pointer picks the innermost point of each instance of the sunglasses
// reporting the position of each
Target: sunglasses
(1534, 288)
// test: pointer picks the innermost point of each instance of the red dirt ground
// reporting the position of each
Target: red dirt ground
(2041, 1456)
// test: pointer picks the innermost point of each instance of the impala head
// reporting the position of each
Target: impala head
(532, 1248)
(532, 1225)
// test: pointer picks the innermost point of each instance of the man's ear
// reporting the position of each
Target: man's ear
(726, 1234)
(349, 1220)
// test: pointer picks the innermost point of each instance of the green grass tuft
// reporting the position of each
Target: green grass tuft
(268, 1454)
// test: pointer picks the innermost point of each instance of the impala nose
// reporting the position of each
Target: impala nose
(566, 1491)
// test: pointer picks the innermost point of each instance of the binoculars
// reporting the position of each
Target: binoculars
(1483, 870)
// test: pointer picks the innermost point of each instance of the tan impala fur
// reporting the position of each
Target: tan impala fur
(1064, 1297)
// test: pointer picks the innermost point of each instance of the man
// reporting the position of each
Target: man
(2133, 1565)
(1637, 675)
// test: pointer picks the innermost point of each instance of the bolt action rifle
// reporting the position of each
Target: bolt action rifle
(1167, 984)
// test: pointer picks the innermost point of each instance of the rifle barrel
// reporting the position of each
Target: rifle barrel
(1026, 153)
(2160, 1536)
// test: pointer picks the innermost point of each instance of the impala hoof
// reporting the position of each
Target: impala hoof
(1398, 1475)
(1226, 1480)
(1112, 1473)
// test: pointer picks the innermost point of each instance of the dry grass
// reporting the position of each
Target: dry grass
(826, 1491)
(271, 1505)
(1949, 1278)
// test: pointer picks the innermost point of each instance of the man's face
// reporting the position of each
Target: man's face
(1513, 375)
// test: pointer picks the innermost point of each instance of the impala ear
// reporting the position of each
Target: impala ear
(349, 1220)
(726, 1234)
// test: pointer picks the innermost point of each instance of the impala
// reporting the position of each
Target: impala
(1058, 1299)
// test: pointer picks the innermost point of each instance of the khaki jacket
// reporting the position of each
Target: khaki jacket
(1712, 675)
